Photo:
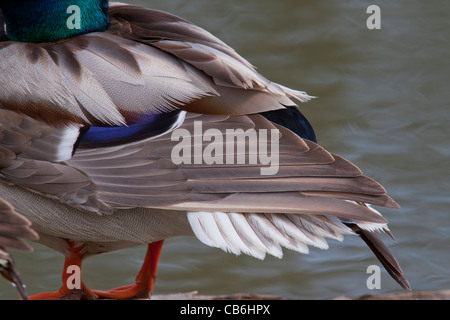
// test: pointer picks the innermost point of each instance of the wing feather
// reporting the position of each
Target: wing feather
(14, 228)
(260, 234)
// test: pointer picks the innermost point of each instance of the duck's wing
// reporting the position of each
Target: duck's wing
(141, 173)
(14, 228)
(312, 196)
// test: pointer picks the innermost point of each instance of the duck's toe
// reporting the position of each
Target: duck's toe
(145, 280)
(129, 292)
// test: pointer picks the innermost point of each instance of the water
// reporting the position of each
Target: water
(383, 104)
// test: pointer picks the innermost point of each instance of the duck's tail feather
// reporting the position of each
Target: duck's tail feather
(383, 254)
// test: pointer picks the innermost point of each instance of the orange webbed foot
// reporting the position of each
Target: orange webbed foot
(129, 292)
(63, 294)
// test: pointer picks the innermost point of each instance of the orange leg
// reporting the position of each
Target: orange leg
(72, 267)
(145, 279)
(142, 289)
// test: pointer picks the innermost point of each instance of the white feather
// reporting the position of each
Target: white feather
(295, 233)
(258, 234)
(198, 229)
(57, 147)
(248, 235)
(230, 234)
(371, 226)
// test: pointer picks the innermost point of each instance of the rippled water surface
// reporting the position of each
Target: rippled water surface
(383, 104)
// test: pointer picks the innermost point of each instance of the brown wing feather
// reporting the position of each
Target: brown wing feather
(310, 179)
(14, 227)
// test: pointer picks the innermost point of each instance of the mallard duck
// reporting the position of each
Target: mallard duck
(92, 110)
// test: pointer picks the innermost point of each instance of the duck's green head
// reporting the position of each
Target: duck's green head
(53, 20)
